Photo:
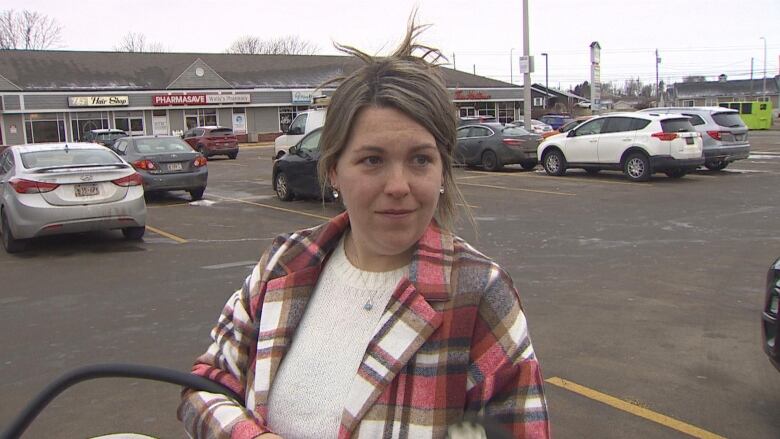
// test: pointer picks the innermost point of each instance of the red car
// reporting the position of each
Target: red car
(212, 140)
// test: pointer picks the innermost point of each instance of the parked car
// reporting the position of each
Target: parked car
(303, 124)
(568, 126)
(295, 173)
(467, 120)
(639, 144)
(166, 163)
(105, 137)
(537, 127)
(212, 140)
(724, 133)
(58, 188)
(770, 325)
(493, 145)
(555, 120)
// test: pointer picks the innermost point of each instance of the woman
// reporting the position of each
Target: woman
(381, 322)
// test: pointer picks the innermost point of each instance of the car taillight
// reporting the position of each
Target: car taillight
(144, 164)
(666, 137)
(200, 161)
(23, 186)
(716, 134)
(133, 179)
(512, 142)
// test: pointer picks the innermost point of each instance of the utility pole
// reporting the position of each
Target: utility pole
(475, 69)
(527, 74)
(763, 92)
(511, 66)
(751, 77)
(454, 67)
(546, 81)
(657, 91)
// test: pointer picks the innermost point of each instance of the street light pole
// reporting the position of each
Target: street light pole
(527, 74)
(511, 66)
(763, 92)
(546, 81)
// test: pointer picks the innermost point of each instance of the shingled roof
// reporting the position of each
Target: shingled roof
(691, 90)
(52, 70)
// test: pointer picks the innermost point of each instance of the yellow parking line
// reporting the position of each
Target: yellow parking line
(563, 179)
(166, 234)
(271, 207)
(633, 409)
(517, 189)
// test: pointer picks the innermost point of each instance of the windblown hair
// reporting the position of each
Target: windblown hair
(409, 83)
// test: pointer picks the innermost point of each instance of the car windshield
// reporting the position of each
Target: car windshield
(728, 119)
(63, 157)
(515, 131)
(677, 125)
(110, 136)
(160, 146)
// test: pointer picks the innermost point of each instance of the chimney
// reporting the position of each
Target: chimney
(722, 77)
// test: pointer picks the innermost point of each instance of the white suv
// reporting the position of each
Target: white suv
(639, 144)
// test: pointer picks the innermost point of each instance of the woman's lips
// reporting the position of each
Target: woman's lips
(395, 213)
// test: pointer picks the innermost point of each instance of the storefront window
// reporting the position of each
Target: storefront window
(83, 122)
(200, 117)
(287, 114)
(506, 111)
(132, 122)
(45, 128)
(485, 109)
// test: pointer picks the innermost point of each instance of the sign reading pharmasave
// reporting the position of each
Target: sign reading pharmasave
(98, 101)
(199, 99)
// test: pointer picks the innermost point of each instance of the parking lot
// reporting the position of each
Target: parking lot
(644, 299)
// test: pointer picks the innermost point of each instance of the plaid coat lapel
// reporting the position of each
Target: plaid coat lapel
(407, 323)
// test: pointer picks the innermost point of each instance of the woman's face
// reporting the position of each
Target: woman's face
(389, 176)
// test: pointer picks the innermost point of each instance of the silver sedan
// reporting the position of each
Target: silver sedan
(57, 188)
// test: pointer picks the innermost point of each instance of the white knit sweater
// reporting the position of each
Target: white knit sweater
(308, 393)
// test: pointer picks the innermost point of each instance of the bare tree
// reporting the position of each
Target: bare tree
(28, 30)
(136, 42)
(286, 45)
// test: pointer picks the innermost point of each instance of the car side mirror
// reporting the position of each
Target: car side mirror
(571, 133)
(294, 149)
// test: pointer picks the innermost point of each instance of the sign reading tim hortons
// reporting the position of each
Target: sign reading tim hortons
(98, 101)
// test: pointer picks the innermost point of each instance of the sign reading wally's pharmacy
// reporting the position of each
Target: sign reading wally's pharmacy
(98, 101)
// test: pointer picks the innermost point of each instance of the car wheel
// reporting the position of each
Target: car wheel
(134, 233)
(197, 194)
(676, 173)
(637, 167)
(716, 165)
(528, 165)
(554, 163)
(232, 155)
(10, 244)
(283, 187)
(592, 171)
(490, 161)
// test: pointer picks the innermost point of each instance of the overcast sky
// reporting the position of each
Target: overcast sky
(694, 37)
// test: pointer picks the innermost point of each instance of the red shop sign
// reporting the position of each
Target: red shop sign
(190, 99)
(470, 95)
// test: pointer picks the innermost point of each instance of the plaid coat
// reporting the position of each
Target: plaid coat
(452, 341)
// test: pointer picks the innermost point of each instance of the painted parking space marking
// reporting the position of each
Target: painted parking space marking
(567, 178)
(230, 265)
(518, 189)
(157, 206)
(178, 239)
(268, 206)
(633, 409)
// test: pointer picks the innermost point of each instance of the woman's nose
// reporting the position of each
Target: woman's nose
(396, 183)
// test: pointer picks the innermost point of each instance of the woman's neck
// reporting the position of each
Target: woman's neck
(366, 260)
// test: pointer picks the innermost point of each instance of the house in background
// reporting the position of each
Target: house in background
(712, 93)
(558, 101)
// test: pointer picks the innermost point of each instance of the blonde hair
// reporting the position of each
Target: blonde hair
(408, 83)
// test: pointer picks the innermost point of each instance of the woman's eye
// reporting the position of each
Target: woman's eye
(422, 160)
(372, 161)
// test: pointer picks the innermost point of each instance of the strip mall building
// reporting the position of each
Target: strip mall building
(50, 96)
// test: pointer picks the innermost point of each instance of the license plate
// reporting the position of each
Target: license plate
(689, 140)
(86, 190)
(174, 166)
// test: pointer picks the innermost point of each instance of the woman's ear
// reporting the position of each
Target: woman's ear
(333, 178)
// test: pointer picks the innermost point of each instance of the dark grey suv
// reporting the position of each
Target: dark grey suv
(724, 133)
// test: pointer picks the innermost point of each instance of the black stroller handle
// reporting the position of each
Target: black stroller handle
(111, 370)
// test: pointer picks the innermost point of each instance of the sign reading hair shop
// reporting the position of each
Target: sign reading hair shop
(98, 101)
(199, 99)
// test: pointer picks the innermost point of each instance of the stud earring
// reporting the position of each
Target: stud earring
(441, 190)
(335, 193)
